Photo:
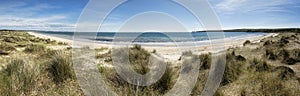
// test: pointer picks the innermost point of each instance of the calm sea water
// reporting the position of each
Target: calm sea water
(149, 37)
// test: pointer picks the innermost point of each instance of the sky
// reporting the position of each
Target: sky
(63, 15)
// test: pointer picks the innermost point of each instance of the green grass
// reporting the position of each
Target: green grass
(258, 65)
(6, 46)
(18, 77)
(60, 67)
(26, 69)
(139, 59)
(265, 73)
(205, 61)
(233, 69)
(35, 48)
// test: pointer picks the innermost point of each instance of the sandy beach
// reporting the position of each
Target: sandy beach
(168, 52)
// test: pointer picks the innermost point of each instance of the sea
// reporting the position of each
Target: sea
(151, 38)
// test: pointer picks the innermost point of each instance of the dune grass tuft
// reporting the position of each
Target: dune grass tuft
(232, 69)
(258, 65)
(60, 67)
(35, 48)
(205, 61)
(284, 72)
(18, 77)
(7, 47)
(246, 42)
(139, 59)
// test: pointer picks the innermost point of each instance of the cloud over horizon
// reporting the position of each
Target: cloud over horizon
(252, 5)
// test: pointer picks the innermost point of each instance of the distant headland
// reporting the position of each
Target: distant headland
(256, 30)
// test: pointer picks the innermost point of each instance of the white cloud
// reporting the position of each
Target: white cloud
(20, 15)
(24, 9)
(42, 23)
(252, 5)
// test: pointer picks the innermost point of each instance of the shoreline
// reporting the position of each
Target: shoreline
(169, 52)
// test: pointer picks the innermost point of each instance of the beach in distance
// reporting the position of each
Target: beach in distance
(164, 45)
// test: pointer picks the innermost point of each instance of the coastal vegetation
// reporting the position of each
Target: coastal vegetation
(30, 67)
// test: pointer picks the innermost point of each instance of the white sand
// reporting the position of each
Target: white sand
(170, 52)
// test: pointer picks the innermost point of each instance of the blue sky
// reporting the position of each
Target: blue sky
(62, 15)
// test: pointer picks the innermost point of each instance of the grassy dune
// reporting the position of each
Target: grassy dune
(29, 67)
